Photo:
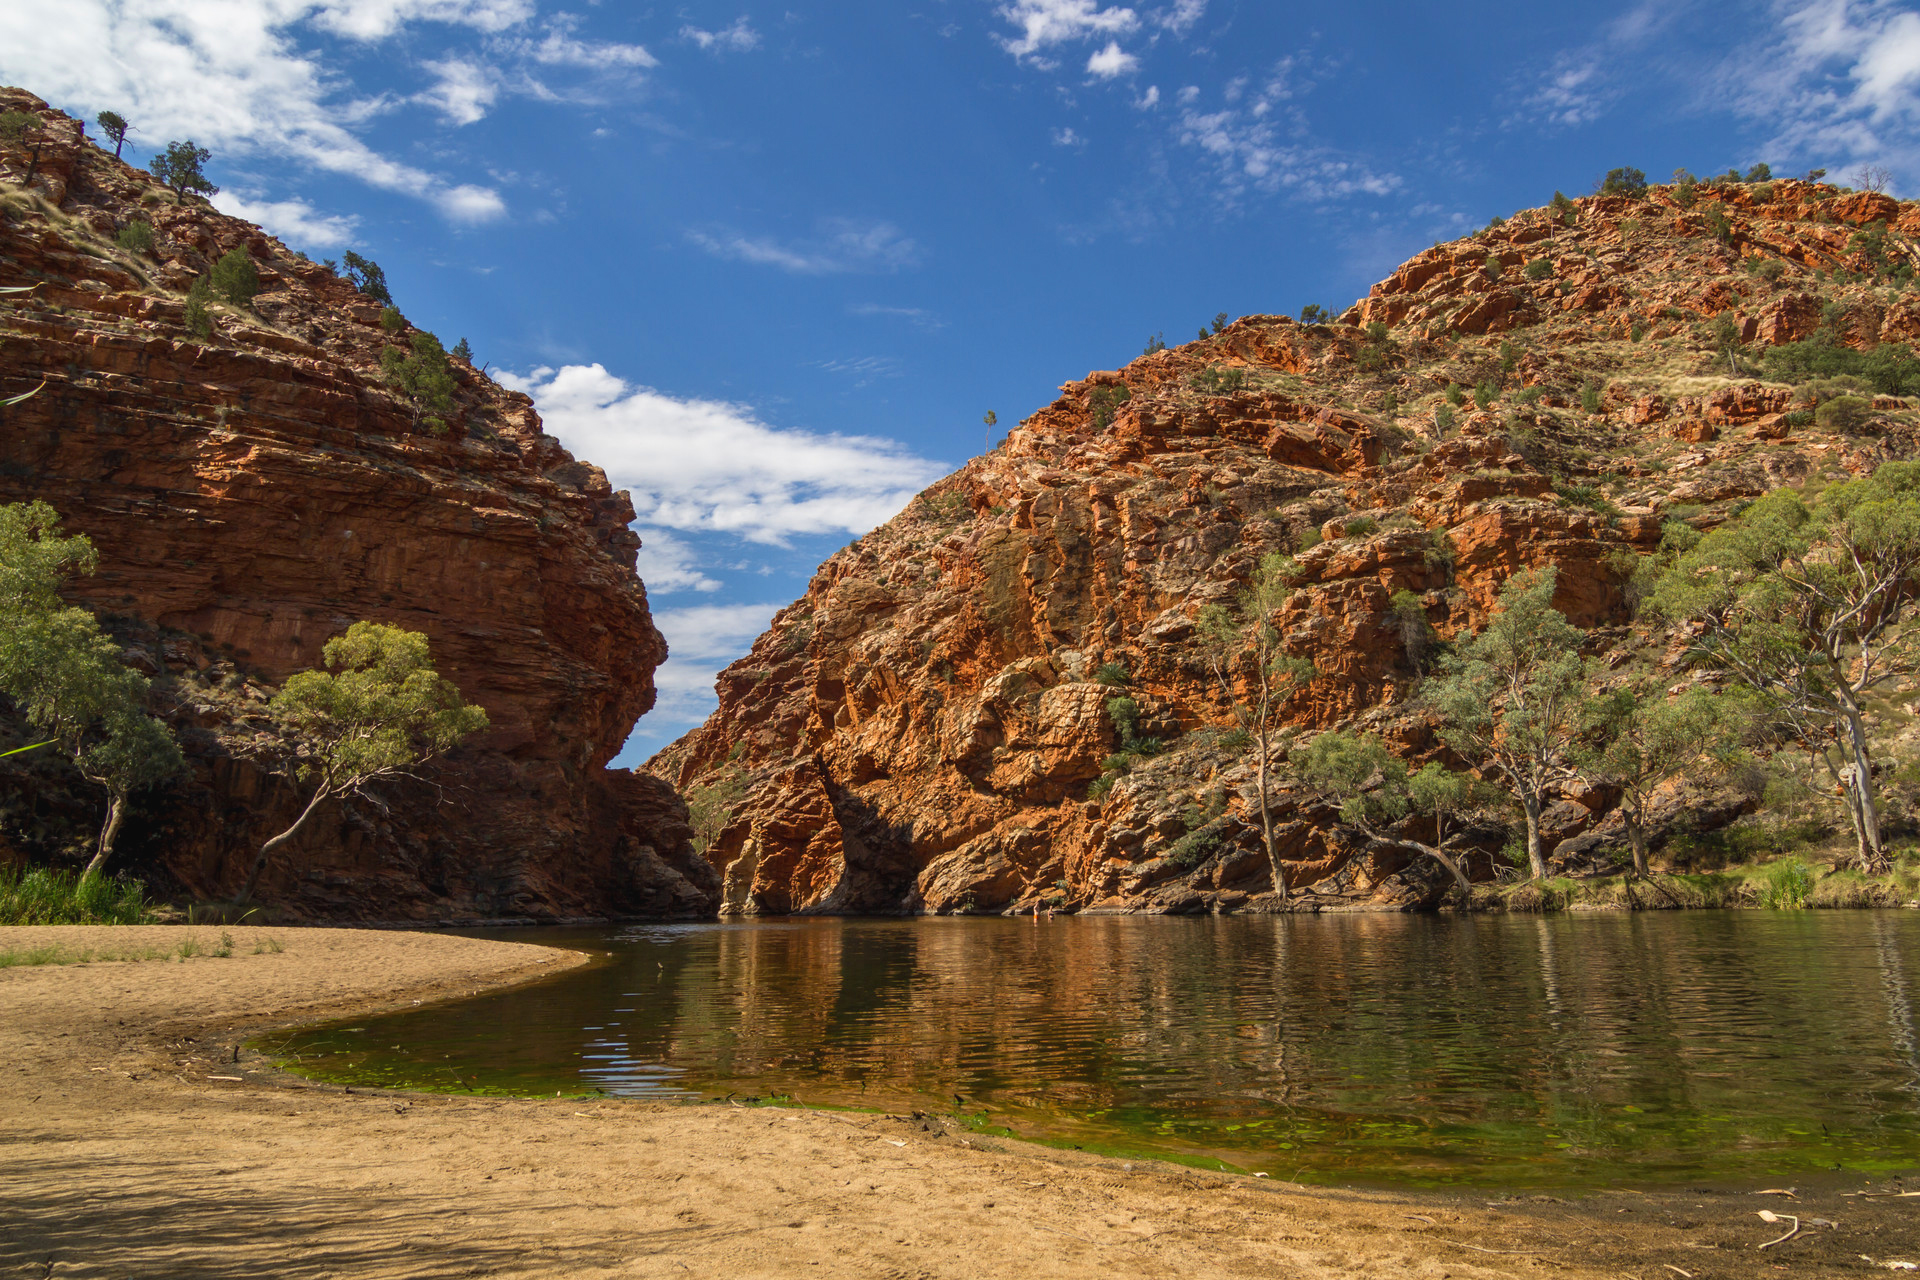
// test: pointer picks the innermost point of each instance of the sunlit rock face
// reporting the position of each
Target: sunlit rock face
(925, 729)
(253, 494)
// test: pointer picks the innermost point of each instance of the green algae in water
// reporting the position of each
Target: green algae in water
(1570, 1051)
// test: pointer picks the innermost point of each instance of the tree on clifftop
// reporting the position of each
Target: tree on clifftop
(115, 127)
(1510, 699)
(179, 166)
(381, 711)
(1244, 650)
(1809, 606)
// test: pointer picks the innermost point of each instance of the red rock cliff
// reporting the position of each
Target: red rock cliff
(253, 494)
(920, 732)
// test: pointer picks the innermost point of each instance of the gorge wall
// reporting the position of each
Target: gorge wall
(253, 493)
(924, 730)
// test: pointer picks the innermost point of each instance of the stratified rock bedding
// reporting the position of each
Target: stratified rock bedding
(253, 494)
(924, 730)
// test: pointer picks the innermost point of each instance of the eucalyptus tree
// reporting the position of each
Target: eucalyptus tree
(1809, 604)
(1376, 791)
(1643, 739)
(1509, 699)
(65, 675)
(378, 712)
(1245, 652)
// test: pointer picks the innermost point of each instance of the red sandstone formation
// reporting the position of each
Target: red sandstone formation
(920, 731)
(253, 494)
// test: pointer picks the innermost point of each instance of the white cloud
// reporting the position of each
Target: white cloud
(846, 246)
(1066, 137)
(1150, 99)
(369, 20)
(920, 317)
(1834, 81)
(1181, 16)
(701, 641)
(294, 221)
(706, 465)
(1244, 142)
(667, 565)
(559, 49)
(738, 38)
(1189, 95)
(1044, 23)
(1573, 91)
(241, 77)
(1112, 62)
(465, 90)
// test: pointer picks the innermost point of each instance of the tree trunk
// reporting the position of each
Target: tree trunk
(1859, 783)
(1445, 860)
(1536, 860)
(1266, 815)
(272, 846)
(109, 831)
(1637, 837)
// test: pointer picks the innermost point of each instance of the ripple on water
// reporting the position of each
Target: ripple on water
(1568, 1050)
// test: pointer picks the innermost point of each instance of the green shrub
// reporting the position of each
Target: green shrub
(1156, 342)
(1719, 226)
(424, 375)
(1787, 885)
(1844, 413)
(1593, 395)
(1217, 381)
(1624, 182)
(1313, 313)
(1105, 401)
(1113, 673)
(1768, 269)
(199, 320)
(1309, 537)
(45, 896)
(1443, 420)
(1486, 393)
(1588, 496)
(1564, 209)
(235, 278)
(1456, 395)
(1539, 269)
(391, 320)
(1800, 418)
(1197, 846)
(1492, 266)
(1360, 527)
(136, 237)
(1889, 368)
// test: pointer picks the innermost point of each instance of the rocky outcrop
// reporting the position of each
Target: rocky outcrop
(1545, 392)
(253, 493)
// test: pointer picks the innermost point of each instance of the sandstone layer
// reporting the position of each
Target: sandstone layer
(253, 493)
(923, 731)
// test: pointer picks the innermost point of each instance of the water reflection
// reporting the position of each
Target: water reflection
(1648, 1046)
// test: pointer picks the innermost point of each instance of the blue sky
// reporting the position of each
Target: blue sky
(769, 266)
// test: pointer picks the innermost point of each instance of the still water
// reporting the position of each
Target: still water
(1569, 1050)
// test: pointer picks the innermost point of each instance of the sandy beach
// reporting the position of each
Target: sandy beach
(138, 1139)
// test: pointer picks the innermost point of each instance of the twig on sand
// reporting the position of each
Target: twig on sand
(1768, 1215)
(1480, 1248)
(1423, 1217)
(1677, 1271)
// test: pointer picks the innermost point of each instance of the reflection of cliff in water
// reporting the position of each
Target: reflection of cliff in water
(1670, 1043)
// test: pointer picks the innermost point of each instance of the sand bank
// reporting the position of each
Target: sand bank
(132, 1143)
